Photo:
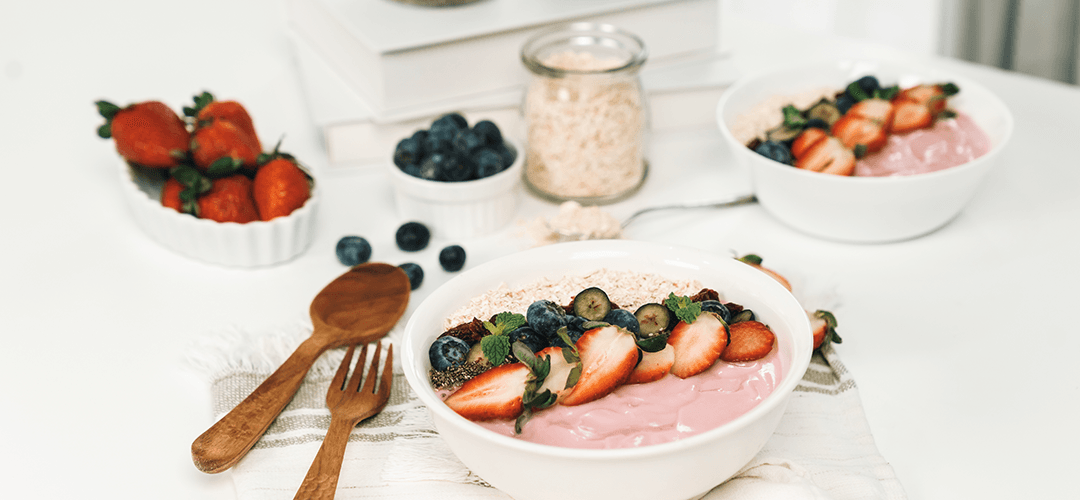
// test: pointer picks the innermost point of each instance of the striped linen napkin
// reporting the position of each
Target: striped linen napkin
(822, 449)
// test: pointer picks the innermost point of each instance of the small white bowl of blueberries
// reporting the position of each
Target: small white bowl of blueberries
(463, 179)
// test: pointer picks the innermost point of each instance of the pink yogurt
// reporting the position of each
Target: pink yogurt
(657, 412)
(948, 143)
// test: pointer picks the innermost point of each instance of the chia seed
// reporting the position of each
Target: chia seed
(456, 375)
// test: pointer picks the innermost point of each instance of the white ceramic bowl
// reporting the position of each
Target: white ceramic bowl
(863, 209)
(253, 244)
(672, 471)
(460, 209)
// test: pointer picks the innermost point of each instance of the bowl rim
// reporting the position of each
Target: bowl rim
(146, 202)
(750, 79)
(779, 396)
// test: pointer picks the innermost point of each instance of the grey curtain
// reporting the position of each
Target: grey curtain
(1037, 37)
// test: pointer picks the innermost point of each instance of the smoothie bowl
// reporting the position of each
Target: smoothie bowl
(673, 455)
(886, 193)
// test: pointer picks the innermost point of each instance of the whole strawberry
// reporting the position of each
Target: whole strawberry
(170, 194)
(280, 187)
(146, 133)
(219, 147)
(206, 108)
(229, 200)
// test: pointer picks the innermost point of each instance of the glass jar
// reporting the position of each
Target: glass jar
(585, 114)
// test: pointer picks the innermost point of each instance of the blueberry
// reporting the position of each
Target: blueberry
(353, 250)
(817, 123)
(467, 140)
(429, 168)
(452, 120)
(574, 336)
(452, 258)
(439, 140)
(774, 151)
(507, 154)
(412, 236)
(452, 167)
(413, 170)
(421, 137)
(717, 307)
(488, 163)
(869, 84)
(489, 131)
(623, 318)
(415, 274)
(408, 152)
(844, 103)
(546, 317)
(575, 323)
(447, 351)
(528, 336)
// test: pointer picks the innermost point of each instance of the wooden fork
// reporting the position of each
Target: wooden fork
(349, 404)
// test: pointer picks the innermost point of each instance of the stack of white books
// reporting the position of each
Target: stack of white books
(374, 71)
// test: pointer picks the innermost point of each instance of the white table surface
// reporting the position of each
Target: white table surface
(963, 343)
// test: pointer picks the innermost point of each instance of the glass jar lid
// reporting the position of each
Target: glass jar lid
(604, 41)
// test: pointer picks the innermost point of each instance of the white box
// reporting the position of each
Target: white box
(402, 59)
(679, 95)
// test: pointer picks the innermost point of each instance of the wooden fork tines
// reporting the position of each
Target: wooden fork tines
(349, 403)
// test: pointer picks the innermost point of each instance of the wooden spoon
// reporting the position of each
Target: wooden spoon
(358, 307)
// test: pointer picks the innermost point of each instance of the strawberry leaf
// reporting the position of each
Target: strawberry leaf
(201, 101)
(107, 109)
(496, 348)
(830, 331)
(654, 343)
(950, 89)
(751, 259)
(572, 378)
(887, 93)
(224, 166)
(685, 309)
(564, 334)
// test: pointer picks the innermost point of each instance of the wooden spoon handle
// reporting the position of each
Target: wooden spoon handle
(229, 439)
(322, 477)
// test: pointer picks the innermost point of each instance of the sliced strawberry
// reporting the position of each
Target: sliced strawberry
(911, 115)
(853, 130)
(653, 366)
(933, 96)
(697, 345)
(494, 394)
(806, 140)
(608, 356)
(877, 111)
(823, 326)
(828, 156)
(560, 371)
(756, 260)
(750, 341)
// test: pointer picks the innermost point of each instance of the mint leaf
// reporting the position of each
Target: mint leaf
(496, 348)
(793, 118)
(685, 309)
(504, 322)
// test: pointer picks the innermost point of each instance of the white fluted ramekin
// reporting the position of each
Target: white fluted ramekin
(466, 209)
(254, 244)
